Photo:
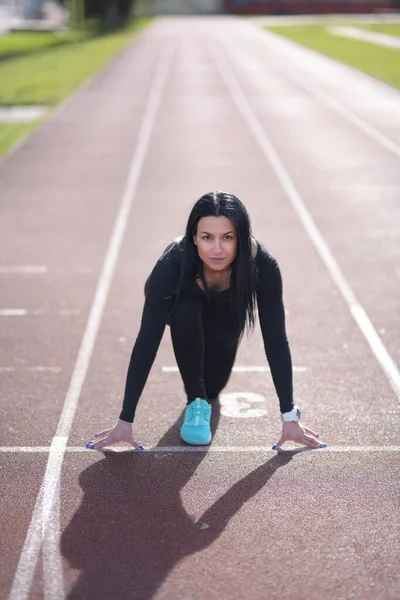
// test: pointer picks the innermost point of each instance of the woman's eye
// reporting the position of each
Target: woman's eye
(208, 237)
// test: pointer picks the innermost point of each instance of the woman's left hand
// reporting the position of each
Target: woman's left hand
(296, 432)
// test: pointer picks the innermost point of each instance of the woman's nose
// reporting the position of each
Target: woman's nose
(217, 247)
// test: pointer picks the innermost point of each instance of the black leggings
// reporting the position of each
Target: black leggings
(204, 357)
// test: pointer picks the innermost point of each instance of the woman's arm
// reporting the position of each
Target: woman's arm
(158, 304)
(272, 321)
(271, 313)
(157, 307)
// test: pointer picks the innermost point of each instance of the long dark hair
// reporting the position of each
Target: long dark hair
(243, 290)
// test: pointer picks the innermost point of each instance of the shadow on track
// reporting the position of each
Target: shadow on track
(131, 528)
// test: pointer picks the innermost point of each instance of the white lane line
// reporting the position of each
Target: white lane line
(40, 518)
(23, 269)
(39, 369)
(23, 312)
(335, 105)
(239, 369)
(276, 44)
(360, 316)
(268, 449)
(47, 496)
(380, 39)
(53, 584)
(27, 449)
(80, 450)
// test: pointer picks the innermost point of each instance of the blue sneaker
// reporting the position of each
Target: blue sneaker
(196, 425)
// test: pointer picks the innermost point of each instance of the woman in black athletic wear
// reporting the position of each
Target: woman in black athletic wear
(205, 287)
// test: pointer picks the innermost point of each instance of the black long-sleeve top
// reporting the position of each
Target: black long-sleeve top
(160, 296)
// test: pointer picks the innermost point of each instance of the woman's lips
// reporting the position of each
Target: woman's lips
(217, 259)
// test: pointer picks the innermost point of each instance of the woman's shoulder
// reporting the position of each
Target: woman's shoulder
(268, 271)
(164, 277)
(172, 254)
(263, 257)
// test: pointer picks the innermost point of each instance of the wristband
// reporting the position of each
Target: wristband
(293, 415)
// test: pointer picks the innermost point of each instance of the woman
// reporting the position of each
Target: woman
(205, 287)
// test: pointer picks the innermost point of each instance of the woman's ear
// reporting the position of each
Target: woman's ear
(194, 240)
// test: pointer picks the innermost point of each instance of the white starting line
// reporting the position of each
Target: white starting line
(236, 369)
(254, 449)
(241, 369)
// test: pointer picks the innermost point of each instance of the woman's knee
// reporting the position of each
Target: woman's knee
(215, 386)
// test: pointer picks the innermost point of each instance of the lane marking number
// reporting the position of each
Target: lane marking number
(241, 405)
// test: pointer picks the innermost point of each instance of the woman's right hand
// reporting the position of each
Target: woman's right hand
(120, 433)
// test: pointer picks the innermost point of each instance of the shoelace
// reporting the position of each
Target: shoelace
(197, 413)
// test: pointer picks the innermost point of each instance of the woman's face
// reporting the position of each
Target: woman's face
(216, 242)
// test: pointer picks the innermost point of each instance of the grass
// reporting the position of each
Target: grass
(12, 133)
(18, 43)
(49, 76)
(378, 61)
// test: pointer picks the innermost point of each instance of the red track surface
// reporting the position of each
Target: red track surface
(240, 521)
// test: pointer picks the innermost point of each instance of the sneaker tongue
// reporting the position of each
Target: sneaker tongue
(197, 402)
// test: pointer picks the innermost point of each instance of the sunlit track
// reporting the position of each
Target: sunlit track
(299, 56)
(96, 524)
(359, 314)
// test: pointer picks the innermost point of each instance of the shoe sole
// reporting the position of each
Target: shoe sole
(192, 443)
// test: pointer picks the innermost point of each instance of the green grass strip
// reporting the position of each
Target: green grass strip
(51, 75)
(379, 62)
(12, 133)
(18, 43)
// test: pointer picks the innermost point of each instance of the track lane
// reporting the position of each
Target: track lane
(352, 193)
(329, 497)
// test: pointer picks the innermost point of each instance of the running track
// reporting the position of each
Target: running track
(87, 205)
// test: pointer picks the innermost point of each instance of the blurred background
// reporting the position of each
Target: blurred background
(48, 48)
(45, 14)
